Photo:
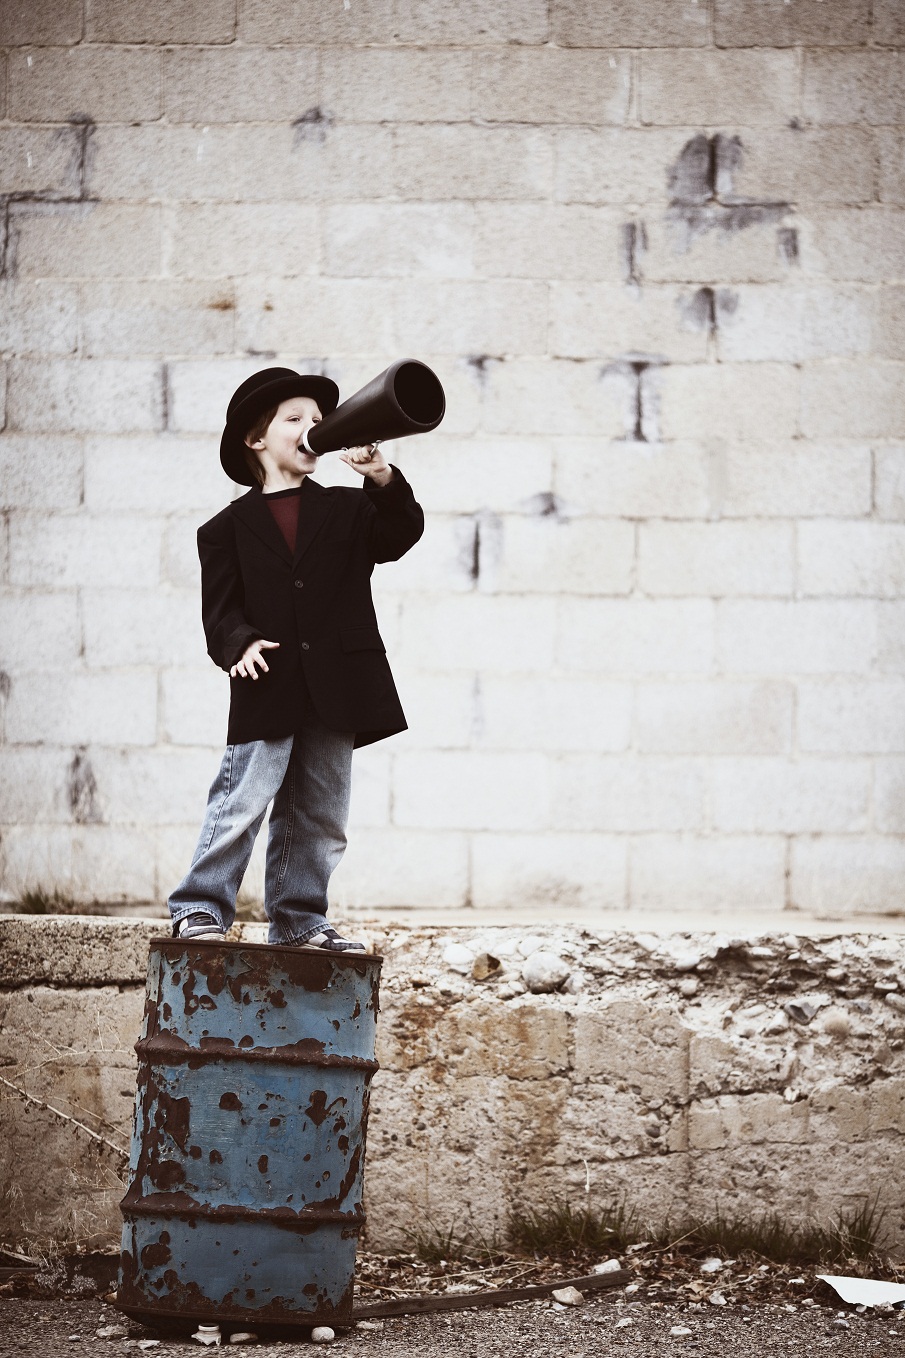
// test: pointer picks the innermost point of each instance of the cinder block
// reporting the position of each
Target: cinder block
(644, 1046)
(886, 1105)
(474, 632)
(624, 792)
(716, 558)
(90, 240)
(889, 472)
(848, 876)
(796, 636)
(439, 708)
(795, 479)
(229, 240)
(45, 21)
(776, 323)
(852, 558)
(691, 244)
(552, 714)
(444, 559)
(84, 549)
(888, 23)
(179, 565)
(114, 863)
(36, 856)
(772, 23)
(889, 796)
(891, 149)
(546, 555)
(889, 323)
(492, 317)
(628, 165)
(178, 21)
(839, 1113)
(309, 160)
(37, 160)
(782, 796)
(864, 245)
(718, 717)
(728, 874)
(635, 480)
(891, 637)
(194, 707)
(34, 786)
(239, 84)
(433, 23)
(563, 871)
(636, 636)
(689, 88)
(402, 868)
(36, 473)
(806, 166)
(543, 396)
(105, 396)
(375, 240)
(852, 716)
(38, 318)
(142, 627)
(371, 21)
(853, 87)
(853, 399)
(463, 162)
(160, 317)
(155, 475)
(551, 85)
(317, 316)
(547, 240)
(152, 787)
(79, 709)
(372, 85)
(371, 779)
(109, 85)
(199, 392)
(754, 401)
(39, 630)
(461, 790)
(506, 475)
(599, 320)
(629, 23)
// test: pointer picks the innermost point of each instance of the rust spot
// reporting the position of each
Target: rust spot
(215, 1158)
(277, 999)
(343, 1144)
(357, 1010)
(195, 1152)
(262, 1164)
(231, 1102)
(339, 1125)
(174, 1117)
(246, 1041)
(275, 1122)
(166, 1174)
(153, 1256)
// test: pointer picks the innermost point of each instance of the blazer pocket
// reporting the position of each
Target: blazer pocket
(361, 639)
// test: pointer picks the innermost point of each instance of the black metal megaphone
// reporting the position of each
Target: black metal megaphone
(405, 399)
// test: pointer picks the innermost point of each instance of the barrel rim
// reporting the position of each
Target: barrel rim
(346, 958)
(159, 1050)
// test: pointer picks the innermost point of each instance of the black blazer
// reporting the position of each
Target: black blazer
(316, 602)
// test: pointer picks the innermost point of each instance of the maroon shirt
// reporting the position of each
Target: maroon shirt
(284, 506)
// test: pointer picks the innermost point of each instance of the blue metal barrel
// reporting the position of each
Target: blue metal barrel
(245, 1177)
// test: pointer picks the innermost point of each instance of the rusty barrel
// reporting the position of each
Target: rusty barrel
(247, 1161)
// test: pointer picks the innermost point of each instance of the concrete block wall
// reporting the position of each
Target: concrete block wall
(651, 644)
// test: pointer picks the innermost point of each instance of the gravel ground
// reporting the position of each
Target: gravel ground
(526, 1330)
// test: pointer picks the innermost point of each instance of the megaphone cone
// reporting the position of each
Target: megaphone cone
(405, 399)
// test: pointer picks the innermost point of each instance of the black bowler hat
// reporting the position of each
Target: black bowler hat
(258, 393)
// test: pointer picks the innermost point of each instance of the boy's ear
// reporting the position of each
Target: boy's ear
(258, 443)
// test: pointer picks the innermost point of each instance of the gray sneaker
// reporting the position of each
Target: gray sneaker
(329, 940)
(200, 928)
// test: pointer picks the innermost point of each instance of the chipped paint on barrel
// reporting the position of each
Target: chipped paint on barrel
(247, 1159)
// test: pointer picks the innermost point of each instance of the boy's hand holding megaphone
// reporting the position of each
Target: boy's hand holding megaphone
(368, 461)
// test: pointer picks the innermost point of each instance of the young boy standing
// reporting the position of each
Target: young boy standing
(287, 611)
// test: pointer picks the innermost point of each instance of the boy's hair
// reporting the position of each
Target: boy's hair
(257, 431)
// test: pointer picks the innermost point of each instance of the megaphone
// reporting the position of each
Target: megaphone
(405, 399)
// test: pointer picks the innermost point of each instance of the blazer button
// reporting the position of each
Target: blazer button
(298, 583)
(304, 646)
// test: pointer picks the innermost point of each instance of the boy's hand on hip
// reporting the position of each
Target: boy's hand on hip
(245, 668)
(368, 461)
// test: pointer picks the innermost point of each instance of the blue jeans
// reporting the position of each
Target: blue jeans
(307, 777)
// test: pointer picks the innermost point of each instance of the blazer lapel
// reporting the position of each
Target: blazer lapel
(316, 505)
(252, 510)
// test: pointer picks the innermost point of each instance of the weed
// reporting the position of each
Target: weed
(435, 1244)
(563, 1230)
(42, 901)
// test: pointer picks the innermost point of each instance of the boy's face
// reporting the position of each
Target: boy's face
(280, 450)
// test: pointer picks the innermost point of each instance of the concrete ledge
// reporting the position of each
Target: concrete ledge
(683, 1071)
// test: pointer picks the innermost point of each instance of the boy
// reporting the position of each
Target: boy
(287, 610)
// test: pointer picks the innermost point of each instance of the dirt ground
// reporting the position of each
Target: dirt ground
(525, 1330)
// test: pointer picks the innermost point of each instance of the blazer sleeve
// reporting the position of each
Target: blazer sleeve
(395, 520)
(223, 598)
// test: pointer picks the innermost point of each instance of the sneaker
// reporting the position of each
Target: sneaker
(200, 928)
(330, 941)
